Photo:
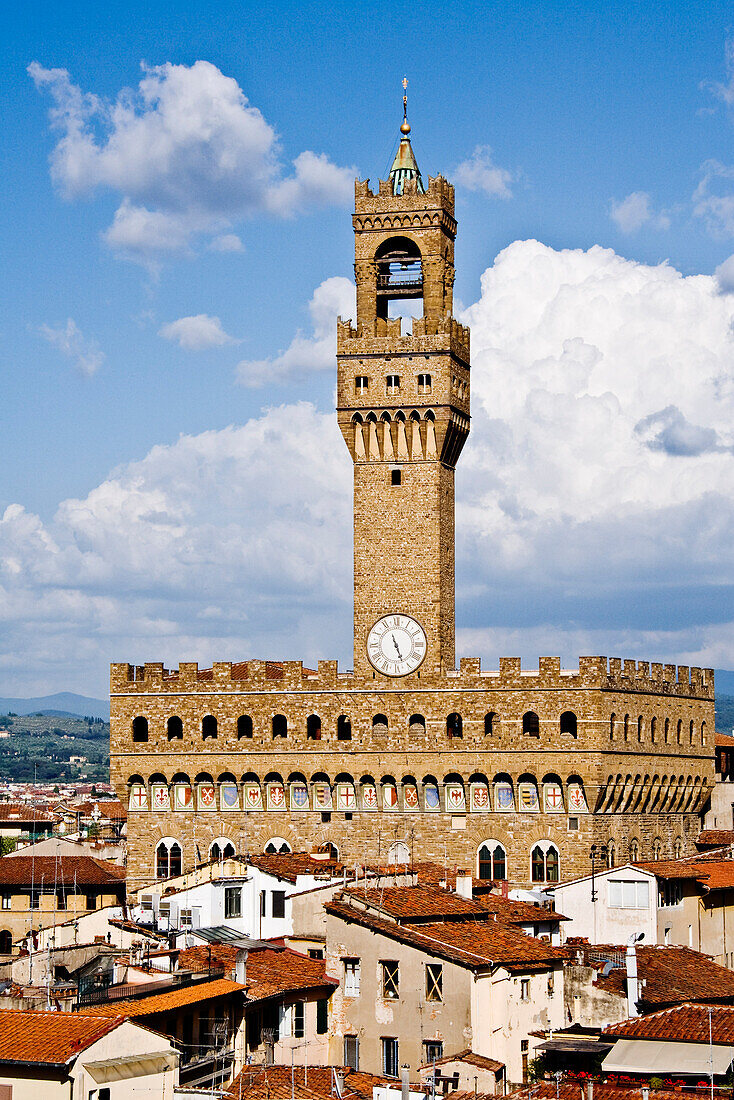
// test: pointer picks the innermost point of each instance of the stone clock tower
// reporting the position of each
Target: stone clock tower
(403, 409)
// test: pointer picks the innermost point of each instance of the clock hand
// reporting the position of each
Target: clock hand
(400, 656)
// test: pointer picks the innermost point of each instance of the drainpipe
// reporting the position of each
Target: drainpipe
(404, 1082)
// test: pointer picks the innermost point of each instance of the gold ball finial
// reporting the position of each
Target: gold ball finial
(405, 128)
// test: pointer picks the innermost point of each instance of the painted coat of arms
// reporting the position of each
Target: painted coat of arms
(479, 798)
(389, 797)
(528, 797)
(577, 799)
(207, 796)
(229, 796)
(410, 797)
(432, 800)
(276, 796)
(183, 796)
(299, 796)
(322, 796)
(455, 798)
(504, 797)
(369, 797)
(138, 797)
(345, 798)
(160, 797)
(253, 797)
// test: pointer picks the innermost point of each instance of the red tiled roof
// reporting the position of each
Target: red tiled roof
(673, 974)
(709, 869)
(308, 1083)
(50, 1038)
(213, 956)
(418, 904)
(61, 870)
(519, 912)
(270, 973)
(724, 741)
(471, 1059)
(288, 865)
(686, 1023)
(715, 838)
(472, 943)
(571, 1090)
(164, 1002)
(21, 811)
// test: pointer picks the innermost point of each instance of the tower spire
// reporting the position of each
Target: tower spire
(405, 167)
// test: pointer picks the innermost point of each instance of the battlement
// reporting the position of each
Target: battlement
(611, 674)
(379, 336)
(439, 194)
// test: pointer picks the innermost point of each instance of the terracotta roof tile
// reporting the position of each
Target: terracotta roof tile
(270, 973)
(470, 943)
(50, 1038)
(686, 1023)
(62, 870)
(311, 1083)
(673, 974)
(471, 1059)
(21, 811)
(164, 1002)
(289, 865)
(418, 904)
(715, 838)
(571, 1090)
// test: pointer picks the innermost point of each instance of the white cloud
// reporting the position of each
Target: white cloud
(724, 91)
(305, 354)
(84, 353)
(480, 173)
(185, 151)
(634, 211)
(595, 499)
(226, 242)
(196, 333)
(712, 201)
(725, 276)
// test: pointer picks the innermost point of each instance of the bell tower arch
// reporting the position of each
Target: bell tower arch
(403, 409)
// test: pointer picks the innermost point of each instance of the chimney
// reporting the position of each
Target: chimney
(589, 1090)
(633, 986)
(339, 1082)
(404, 1082)
(464, 884)
(240, 966)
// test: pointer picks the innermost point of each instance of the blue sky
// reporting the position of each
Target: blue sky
(145, 302)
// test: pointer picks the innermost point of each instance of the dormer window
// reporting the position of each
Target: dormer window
(424, 383)
(393, 383)
(361, 383)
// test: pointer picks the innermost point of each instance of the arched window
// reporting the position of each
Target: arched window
(653, 729)
(221, 849)
(626, 727)
(657, 848)
(492, 861)
(313, 728)
(424, 384)
(666, 730)
(569, 724)
(679, 731)
(417, 723)
(244, 726)
(277, 846)
(343, 728)
(399, 272)
(361, 383)
(140, 729)
(678, 848)
(6, 942)
(640, 728)
(280, 725)
(392, 384)
(209, 728)
(703, 733)
(168, 858)
(690, 732)
(490, 720)
(174, 728)
(531, 724)
(634, 851)
(398, 853)
(328, 849)
(611, 855)
(379, 723)
(544, 862)
(612, 724)
(454, 726)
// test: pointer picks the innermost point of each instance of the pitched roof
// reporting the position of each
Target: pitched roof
(61, 870)
(418, 904)
(164, 1002)
(21, 811)
(570, 1090)
(289, 865)
(50, 1038)
(475, 944)
(273, 973)
(686, 1023)
(471, 1059)
(710, 869)
(309, 1083)
(511, 911)
(673, 974)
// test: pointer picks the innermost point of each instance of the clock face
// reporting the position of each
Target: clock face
(396, 645)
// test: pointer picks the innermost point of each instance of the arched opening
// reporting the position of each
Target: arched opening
(492, 861)
(569, 724)
(379, 723)
(398, 852)
(6, 942)
(530, 724)
(425, 383)
(280, 725)
(174, 728)
(168, 858)
(690, 732)
(454, 726)
(678, 848)
(640, 728)
(611, 855)
(544, 862)
(612, 725)
(399, 272)
(653, 730)
(634, 851)
(703, 733)
(209, 728)
(277, 846)
(657, 848)
(343, 728)
(626, 727)
(221, 848)
(490, 721)
(313, 728)
(679, 730)
(328, 849)
(244, 726)
(417, 723)
(140, 728)
(666, 731)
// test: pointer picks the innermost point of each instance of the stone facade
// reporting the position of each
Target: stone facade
(526, 767)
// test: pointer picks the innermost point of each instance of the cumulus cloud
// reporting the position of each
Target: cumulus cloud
(724, 91)
(594, 499)
(306, 353)
(226, 242)
(84, 353)
(197, 333)
(724, 275)
(479, 173)
(712, 201)
(631, 213)
(185, 151)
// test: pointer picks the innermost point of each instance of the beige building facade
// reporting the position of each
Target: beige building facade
(513, 773)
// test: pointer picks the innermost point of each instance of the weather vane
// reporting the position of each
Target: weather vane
(405, 128)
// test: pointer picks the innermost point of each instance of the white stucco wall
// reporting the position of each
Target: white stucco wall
(602, 922)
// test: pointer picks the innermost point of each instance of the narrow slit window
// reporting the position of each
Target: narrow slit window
(361, 383)
(396, 477)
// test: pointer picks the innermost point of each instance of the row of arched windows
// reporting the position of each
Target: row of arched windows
(665, 732)
(279, 727)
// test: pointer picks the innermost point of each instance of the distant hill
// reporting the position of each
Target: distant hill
(724, 713)
(62, 703)
(54, 748)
